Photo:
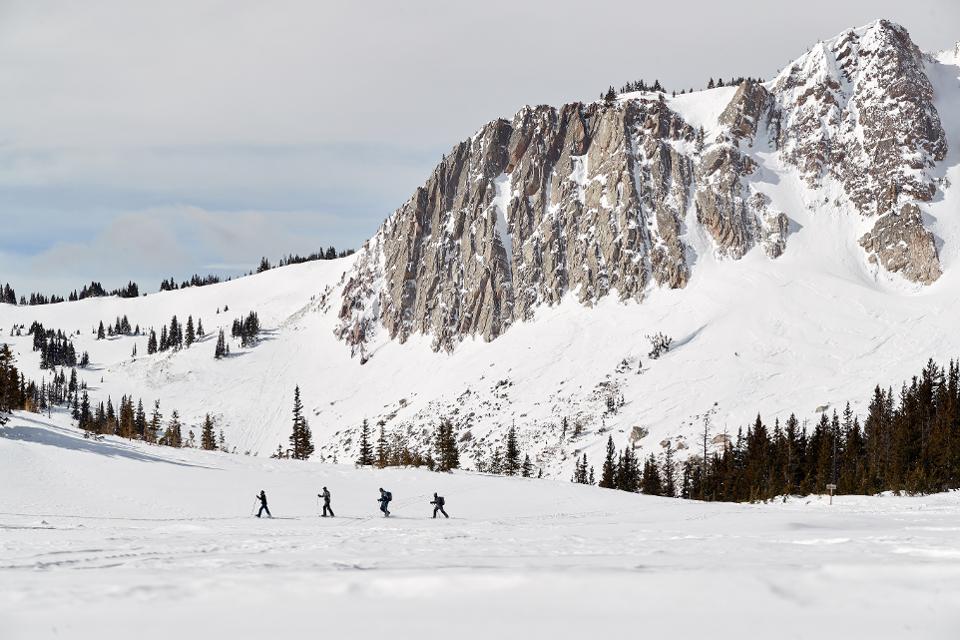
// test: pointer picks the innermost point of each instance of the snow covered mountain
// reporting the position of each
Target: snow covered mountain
(601, 198)
(797, 239)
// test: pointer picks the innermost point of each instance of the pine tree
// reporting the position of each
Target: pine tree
(173, 436)
(152, 342)
(156, 420)
(650, 483)
(86, 419)
(669, 472)
(382, 448)
(140, 421)
(207, 438)
(527, 469)
(190, 335)
(608, 472)
(101, 334)
(366, 449)
(445, 446)
(496, 461)
(221, 350)
(511, 462)
(301, 444)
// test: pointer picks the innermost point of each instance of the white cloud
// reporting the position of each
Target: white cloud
(111, 106)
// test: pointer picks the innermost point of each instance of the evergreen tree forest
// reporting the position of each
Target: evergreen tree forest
(908, 442)
(64, 389)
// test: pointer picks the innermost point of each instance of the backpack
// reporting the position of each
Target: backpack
(388, 496)
(439, 501)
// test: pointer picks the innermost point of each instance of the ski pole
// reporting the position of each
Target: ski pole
(254, 508)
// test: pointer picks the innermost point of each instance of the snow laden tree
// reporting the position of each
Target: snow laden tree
(445, 446)
(208, 439)
(366, 449)
(301, 440)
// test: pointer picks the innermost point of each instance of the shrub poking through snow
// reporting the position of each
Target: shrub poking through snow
(659, 344)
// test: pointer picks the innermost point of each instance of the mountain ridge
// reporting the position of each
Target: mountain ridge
(806, 331)
(601, 195)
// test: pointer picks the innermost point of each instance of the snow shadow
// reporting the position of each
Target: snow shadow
(65, 439)
(687, 339)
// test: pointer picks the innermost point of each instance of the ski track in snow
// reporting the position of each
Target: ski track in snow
(99, 545)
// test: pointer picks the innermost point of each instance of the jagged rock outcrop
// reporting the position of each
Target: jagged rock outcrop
(586, 199)
(859, 108)
(900, 243)
(598, 199)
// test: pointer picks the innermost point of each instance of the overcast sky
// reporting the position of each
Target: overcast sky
(191, 136)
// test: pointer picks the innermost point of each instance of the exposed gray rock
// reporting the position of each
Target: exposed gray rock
(594, 199)
(859, 109)
(902, 245)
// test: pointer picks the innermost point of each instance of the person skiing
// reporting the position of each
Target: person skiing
(326, 502)
(385, 498)
(263, 504)
(438, 503)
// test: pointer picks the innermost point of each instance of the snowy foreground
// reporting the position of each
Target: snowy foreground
(105, 539)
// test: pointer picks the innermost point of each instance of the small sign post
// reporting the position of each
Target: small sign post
(831, 488)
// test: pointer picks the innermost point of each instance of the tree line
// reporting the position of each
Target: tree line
(330, 253)
(93, 290)
(908, 442)
(132, 290)
(641, 85)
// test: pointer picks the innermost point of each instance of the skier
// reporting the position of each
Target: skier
(263, 504)
(326, 502)
(438, 503)
(385, 498)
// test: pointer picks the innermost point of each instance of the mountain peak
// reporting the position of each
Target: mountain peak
(621, 198)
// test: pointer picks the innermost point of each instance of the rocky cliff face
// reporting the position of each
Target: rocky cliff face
(597, 199)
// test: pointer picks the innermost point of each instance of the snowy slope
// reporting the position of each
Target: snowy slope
(108, 539)
(813, 329)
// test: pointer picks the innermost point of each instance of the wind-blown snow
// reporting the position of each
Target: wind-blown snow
(115, 539)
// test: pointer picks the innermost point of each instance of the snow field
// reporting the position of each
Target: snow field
(105, 539)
